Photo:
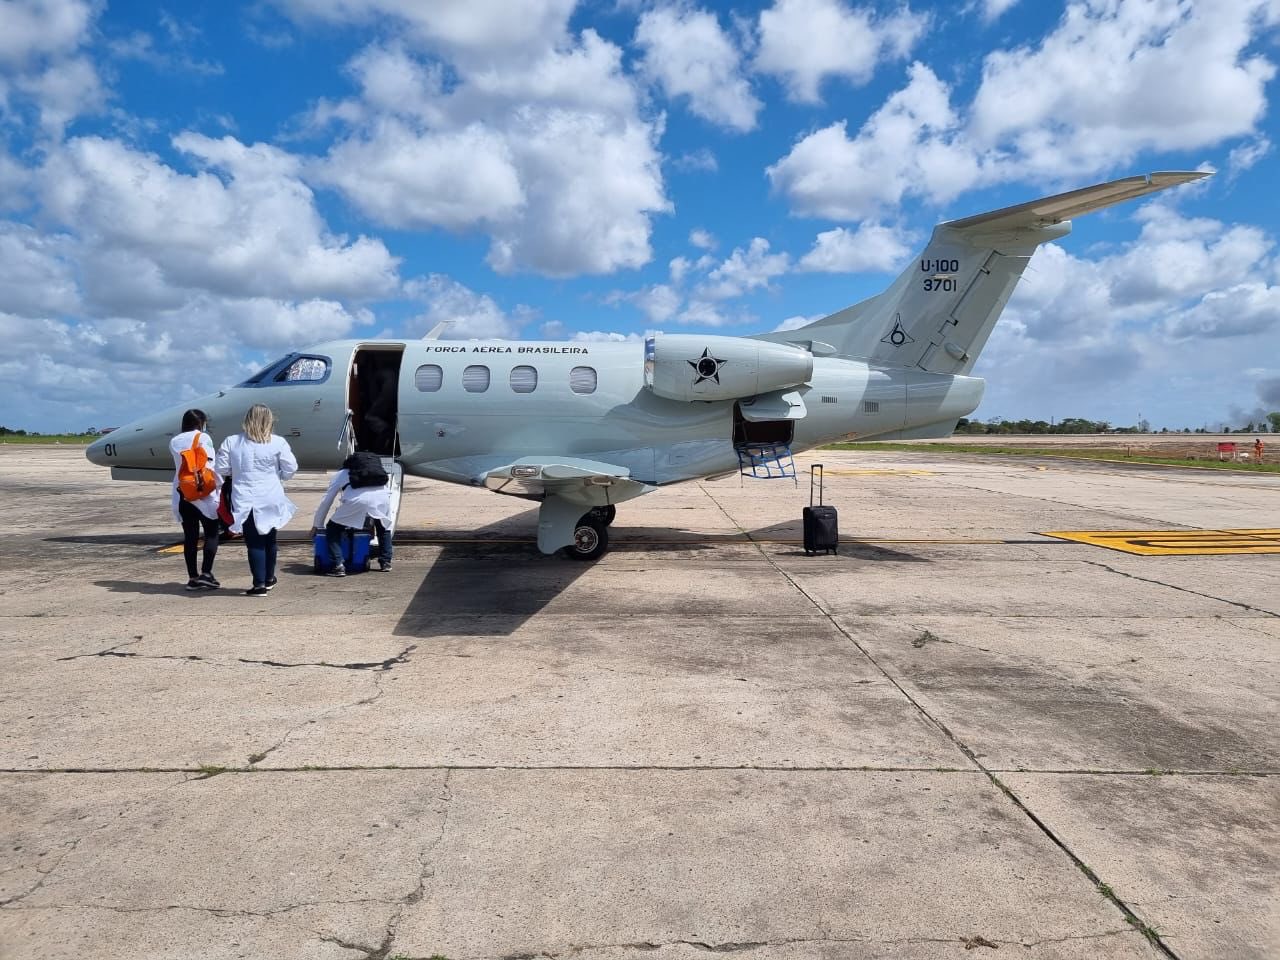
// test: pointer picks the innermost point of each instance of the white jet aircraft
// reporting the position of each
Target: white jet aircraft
(581, 427)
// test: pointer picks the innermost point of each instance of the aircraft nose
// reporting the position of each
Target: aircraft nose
(96, 452)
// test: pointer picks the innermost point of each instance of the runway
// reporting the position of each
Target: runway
(958, 735)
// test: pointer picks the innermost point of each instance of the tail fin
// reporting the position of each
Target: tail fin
(937, 316)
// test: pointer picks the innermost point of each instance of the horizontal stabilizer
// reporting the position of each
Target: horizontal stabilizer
(1064, 206)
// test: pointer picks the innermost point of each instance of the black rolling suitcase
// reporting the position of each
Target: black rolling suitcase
(821, 528)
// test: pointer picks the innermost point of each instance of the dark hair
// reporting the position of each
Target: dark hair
(194, 419)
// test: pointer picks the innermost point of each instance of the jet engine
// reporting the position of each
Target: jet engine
(690, 367)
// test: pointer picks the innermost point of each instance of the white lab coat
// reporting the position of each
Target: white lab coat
(208, 505)
(257, 471)
(355, 504)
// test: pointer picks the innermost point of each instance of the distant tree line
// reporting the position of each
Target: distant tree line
(998, 425)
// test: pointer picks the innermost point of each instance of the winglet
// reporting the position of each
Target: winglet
(1064, 206)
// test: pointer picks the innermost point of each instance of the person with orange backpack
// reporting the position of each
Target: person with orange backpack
(196, 490)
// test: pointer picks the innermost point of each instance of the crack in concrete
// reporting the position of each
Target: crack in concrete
(969, 942)
(45, 874)
(1152, 936)
(257, 758)
(109, 652)
(1172, 586)
(383, 665)
(426, 870)
(676, 768)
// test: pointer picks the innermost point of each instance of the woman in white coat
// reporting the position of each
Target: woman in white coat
(258, 462)
(196, 515)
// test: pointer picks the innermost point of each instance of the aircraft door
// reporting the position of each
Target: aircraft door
(373, 399)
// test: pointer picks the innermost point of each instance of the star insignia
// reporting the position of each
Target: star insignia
(706, 367)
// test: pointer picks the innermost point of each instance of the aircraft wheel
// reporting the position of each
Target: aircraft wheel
(590, 540)
(604, 514)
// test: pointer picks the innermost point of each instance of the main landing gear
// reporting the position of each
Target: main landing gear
(591, 535)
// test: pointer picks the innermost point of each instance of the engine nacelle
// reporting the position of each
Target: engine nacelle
(690, 367)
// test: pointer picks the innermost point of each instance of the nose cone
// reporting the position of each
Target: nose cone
(97, 452)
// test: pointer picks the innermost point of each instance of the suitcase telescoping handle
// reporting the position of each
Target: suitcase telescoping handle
(815, 472)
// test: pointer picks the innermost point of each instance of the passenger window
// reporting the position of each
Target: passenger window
(524, 379)
(428, 378)
(475, 379)
(582, 379)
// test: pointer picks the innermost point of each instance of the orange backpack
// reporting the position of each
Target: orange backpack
(195, 479)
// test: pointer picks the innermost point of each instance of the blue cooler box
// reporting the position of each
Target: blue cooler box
(355, 556)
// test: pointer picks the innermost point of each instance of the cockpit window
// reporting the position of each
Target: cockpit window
(305, 368)
(295, 368)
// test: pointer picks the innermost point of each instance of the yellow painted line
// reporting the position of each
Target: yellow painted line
(1169, 543)
(868, 472)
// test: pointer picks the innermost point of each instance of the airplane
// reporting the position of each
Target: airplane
(582, 426)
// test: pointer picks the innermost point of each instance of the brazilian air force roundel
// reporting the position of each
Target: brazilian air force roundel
(706, 367)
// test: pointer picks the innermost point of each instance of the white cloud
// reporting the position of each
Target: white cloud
(911, 145)
(1248, 308)
(474, 315)
(688, 55)
(744, 271)
(548, 155)
(872, 246)
(1247, 155)
(1087, 337)
(994, 9)
(36, 278)
(32, 29)
(696, 161)
(469, 30)
(40, 60)
(246, 226)
(1123, 76)
(702, 239)
(805, 41)
(410, 179)
(795, 323)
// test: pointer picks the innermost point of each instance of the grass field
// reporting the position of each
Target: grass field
(83, 439)
(1028, 449)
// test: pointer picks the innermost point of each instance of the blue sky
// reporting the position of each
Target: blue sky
(188, 190)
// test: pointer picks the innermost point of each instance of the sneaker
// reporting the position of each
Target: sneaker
(384, 566)
(256, 592)
(208, 581)
(337, 572)
(195, 584)
(271, 583)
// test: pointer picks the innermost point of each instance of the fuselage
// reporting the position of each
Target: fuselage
(452, 410)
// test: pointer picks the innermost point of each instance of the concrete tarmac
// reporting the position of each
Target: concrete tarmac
(956, 737)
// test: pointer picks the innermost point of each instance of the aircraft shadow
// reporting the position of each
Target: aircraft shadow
(486, 586)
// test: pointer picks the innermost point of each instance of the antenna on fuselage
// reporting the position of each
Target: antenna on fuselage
(435, 332)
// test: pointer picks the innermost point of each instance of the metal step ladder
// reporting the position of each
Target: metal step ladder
(766, 461)
(395, 476)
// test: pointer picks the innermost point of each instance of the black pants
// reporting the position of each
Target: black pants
(193, 521)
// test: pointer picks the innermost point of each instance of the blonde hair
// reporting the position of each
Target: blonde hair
(258, 423)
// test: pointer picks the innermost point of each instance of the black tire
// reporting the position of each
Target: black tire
(591, 540)
(605, 514)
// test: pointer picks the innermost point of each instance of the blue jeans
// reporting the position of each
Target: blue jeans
(262, 552)
(384, 542)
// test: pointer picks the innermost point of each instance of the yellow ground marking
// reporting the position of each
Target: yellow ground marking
(868, 472)
(1169, 543)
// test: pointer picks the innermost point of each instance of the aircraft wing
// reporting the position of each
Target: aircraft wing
(1064, 206)
(587, 482)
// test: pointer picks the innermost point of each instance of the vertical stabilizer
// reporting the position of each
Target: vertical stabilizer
(938, 314)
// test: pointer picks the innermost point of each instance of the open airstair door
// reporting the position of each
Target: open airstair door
(763, 429)
(373, 390)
